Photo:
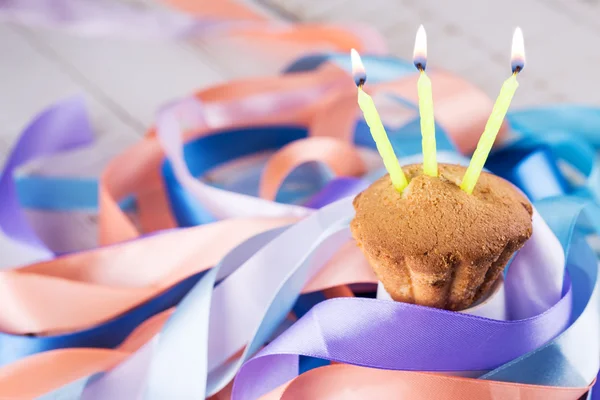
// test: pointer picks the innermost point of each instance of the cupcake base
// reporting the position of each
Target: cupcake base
(492, 306)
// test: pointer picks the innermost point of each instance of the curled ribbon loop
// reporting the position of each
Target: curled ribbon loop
(341, 158)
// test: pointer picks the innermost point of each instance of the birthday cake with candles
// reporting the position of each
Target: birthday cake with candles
(436, 245)
(439, 236)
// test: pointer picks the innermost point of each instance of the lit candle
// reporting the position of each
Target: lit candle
(497, 117)
(380, 137)
(425, 105)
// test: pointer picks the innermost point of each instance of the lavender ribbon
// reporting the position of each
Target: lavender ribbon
(337, 189)
(108, 18)
(61, 127)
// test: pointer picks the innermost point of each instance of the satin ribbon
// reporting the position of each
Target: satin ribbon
(201, 203)
(171, 135)
(62, 127)
(273, 244)
(401, 331)
(156, 387)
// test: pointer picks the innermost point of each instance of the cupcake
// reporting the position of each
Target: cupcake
(435, 245)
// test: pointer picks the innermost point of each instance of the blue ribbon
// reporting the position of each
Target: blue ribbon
(206, 152)
(380, 68)
(547, 136)
(61, 194)
(561, 363)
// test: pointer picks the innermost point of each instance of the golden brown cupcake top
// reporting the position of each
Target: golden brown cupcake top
(435, 222)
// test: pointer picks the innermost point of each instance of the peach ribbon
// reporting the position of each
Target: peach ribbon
(302, 37)
(352, 382)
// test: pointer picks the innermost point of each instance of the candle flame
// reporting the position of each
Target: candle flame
(517, 59)
(420, 52)
(358, 69)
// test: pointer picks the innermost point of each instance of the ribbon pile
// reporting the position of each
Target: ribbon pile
(226, 267)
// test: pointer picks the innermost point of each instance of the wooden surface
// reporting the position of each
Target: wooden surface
(124, 81)
(472, 39)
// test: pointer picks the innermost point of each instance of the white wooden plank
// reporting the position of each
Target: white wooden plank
(581, 12)
(472, 39)
(32, 82)
(137, 75)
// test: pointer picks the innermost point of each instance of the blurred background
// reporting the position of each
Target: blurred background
(126, 79)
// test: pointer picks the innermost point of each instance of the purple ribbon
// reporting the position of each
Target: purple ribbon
(335, 190)
(64, 126)
(397, 336)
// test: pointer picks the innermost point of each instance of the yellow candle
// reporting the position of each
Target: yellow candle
(489, 134)
(425, 105)
(496, 118)
(384, 147)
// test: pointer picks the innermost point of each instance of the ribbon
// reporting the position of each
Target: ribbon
(536, 230)
(236, 330)
(252, 94)
(403, 331)
(312, 254)
(70, 129)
